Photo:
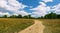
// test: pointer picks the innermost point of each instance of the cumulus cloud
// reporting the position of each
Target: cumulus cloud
(1, 14)
(56, 8)
(22, 12)
(47, 1)
(42, 3)
(16, 8)
(41, 10)
(11, 6)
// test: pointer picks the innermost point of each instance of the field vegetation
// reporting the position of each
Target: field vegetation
(13, 25)
(51, 25)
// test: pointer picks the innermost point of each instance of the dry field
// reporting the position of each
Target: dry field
(13, 25)
(51, 25)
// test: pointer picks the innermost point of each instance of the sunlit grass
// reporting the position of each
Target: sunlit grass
(51, 25)
(12, 25)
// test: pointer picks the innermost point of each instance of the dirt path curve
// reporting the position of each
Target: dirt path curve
(38, 27)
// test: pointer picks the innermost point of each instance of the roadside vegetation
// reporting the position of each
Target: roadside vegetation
(51, 25)
(13, 25)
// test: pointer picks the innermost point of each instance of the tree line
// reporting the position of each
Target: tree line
(50, 16)
(47, 16)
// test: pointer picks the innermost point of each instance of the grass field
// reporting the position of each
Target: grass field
(51, 25)
(13, 25)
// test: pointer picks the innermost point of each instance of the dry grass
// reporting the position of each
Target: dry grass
(52, 25)
(13, 25)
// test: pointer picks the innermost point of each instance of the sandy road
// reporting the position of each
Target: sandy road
(38, 27)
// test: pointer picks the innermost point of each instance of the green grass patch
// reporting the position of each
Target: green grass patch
(12, 25)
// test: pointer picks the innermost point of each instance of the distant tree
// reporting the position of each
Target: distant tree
(29, 16)
(47, 16)
(32, 18)
(25, 16)
(42, 17)
(19, 16)
(13, 16)
(58, 16)
(51, 16)
(5, 16)
(38, 17)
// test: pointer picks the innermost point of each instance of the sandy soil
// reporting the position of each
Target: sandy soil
(38, 27)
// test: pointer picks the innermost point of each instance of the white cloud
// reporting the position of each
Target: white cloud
(14, 6)
(41, 10)
(42, 3)
(37, 14)
(43, 7)
(56, 8)
(22, 12)
(1, 14)
(47, 1)
(11, 6)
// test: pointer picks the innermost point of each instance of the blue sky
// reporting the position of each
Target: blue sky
(36, 8)
(35, 3)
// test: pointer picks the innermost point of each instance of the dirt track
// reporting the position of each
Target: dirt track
(38, 27)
